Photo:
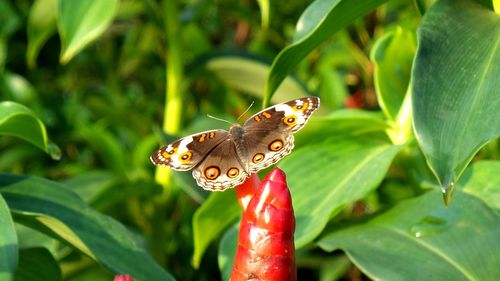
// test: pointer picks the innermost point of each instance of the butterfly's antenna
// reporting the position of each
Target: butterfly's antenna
(245, 111)
(219, 119)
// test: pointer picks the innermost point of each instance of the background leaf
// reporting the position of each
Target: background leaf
(393, 55)
(456, 101)
(248, 73)
(451, 243)
(227, 251)
(8, 243)
(46, 205)
(337, 173)
(41, 25)
(19, 121)
(80, 22)
(215, 215)
(481, 181)
(37, 264)
(318, 22)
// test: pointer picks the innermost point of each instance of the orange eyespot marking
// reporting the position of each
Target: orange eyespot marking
(266, 114)
(301, 107)
(202, 138)
(212, 172)
(186, 156)
(167, 153)
(276, 145)
(257, 118)
(211, 135)
(233, 172)
(290, 120)
(258, 158)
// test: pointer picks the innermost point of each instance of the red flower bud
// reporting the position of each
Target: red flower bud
(266, 249)
(123, 278)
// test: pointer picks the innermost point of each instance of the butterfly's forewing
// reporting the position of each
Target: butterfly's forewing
(187, 152)
(269, 133)
(221, 169)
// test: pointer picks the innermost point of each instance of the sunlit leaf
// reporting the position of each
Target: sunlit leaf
(393, 55)
(318, 22)
(80, 22)
(248, 74)
(49, 207)
(215, 215)
(19, 121)
(455, 86)
(337, 173)
(41, 25)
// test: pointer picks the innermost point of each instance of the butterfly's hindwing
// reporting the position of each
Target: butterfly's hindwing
(221, 169)
(187, 152)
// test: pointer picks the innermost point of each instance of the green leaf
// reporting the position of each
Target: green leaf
(337, 173)
(10, 20)
(51, 208)
(455, 243)
(341, 123)
(215, 215)
(80, 22)
(19, 121)
(106, 144)
(227, 251)
(92, 184)
(393, 55)
(8, 243)
(247, 73)
(455, 86)
(37, 264)
(41, 25)
(318, 22)
(483, 181)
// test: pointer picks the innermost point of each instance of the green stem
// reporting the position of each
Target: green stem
(402, 129)
(171, 124)
(174, 77)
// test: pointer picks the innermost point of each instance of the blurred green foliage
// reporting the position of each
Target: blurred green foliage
(100, 84)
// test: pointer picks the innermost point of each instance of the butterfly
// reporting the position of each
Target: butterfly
(223, 159)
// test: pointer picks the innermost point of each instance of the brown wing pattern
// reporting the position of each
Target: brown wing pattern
(221, 169)
(269, 133)
(184, 154)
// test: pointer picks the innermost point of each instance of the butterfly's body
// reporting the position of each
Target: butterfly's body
(237, 136)
(223, 159)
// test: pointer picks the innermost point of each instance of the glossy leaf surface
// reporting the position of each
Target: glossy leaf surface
(455, 85)
(19, 121)
(337, 173)
(455, 243)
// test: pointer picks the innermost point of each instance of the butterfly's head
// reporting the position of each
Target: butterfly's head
(236, 130)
